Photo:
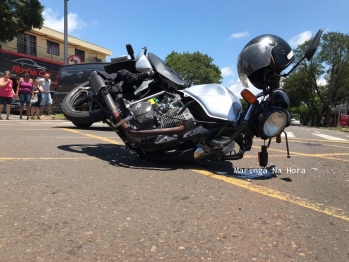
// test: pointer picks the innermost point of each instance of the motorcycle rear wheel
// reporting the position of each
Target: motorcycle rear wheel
(80, 115)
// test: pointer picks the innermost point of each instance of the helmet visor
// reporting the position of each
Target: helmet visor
(283, 55)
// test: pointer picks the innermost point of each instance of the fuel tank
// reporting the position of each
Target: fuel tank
(216, 100)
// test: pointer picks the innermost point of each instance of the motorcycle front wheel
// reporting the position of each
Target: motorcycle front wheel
(77, 107)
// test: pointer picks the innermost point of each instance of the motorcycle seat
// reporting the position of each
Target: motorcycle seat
(166, 72)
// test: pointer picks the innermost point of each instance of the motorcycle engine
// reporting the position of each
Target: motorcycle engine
(143, 113)
(162, 114)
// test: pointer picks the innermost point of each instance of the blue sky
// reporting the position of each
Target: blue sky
(218, 28)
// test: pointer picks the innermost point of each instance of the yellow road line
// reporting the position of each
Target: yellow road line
(319, 140)
(28, 129)
(308, 139)
(300, 140)
(303, 202)
(325, 156)
(328, 210)
(112, 141)
(42, 158)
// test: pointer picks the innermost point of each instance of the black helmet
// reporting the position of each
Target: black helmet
(262, 58)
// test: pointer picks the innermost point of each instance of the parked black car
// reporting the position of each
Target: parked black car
(70, 76)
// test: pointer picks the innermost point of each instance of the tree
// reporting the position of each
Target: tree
(331, 63)
(303, 88)
(195, 69)
(19, 16)
(335, 56)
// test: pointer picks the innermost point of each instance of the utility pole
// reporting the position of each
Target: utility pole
(65, 31)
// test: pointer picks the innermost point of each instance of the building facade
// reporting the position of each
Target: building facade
(41, 51)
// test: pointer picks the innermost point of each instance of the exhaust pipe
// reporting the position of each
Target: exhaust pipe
(199, 154)
(98, 85)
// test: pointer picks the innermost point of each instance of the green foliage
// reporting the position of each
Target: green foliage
(195, 68)
(302, 111)
(244, 104)
(330, 62)
(19, 16)
(335, 55)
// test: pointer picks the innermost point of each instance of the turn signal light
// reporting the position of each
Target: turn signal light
(248, 96)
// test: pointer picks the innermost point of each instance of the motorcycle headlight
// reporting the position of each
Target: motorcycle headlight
(272, 122)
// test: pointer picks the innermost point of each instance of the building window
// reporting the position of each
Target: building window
(94, 59)
(81, 54)
(52, 48)
(26, 44)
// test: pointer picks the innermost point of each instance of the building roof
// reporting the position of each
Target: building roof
(59, 36)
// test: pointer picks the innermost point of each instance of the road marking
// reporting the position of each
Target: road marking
(318, 140)
(112, 141)
(325, 156)
(289, 134)
(42, 158)
(329, 137)
(28, 129)
(300, 142)
(319, 207)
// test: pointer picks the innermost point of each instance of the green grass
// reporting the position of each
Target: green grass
(338, 128)
(54, 117)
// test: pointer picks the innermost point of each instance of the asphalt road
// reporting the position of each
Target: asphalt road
(68, 194)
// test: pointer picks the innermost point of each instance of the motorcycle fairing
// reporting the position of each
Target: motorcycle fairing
(216, 100)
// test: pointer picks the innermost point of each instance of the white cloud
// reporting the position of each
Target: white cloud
(240, 35)
(300, 39)
(52, 20)
(321, 82)
(227, 71)
(236, 87)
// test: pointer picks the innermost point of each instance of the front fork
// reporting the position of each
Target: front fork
(263, 154)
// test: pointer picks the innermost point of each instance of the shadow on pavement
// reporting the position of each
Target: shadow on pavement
(118, 155)
(115, 155)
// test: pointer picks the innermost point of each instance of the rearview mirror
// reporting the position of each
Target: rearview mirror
(310, 51)
(130, 51)
(313, 45)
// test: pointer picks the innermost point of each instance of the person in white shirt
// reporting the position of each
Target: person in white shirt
(46, 99)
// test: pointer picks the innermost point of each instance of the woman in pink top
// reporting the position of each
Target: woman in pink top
(6, 94)
(24, 91)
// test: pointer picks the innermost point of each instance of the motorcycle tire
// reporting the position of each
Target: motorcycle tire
(80, 116)
(82, 125)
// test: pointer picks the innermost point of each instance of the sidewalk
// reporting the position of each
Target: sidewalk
(24, 117)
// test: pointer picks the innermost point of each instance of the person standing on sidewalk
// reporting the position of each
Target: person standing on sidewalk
(46, 98)
(6, 94)
(35, 107)
(24, 91)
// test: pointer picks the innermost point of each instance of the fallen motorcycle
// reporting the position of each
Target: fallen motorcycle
(152, 110)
